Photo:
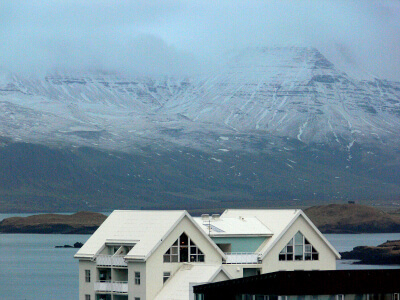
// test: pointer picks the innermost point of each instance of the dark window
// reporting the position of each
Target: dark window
(137, 278)
(166, 276)
(87, 275)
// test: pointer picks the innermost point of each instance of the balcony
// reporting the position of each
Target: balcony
(241, 258)
(111, 286)
(111, 260)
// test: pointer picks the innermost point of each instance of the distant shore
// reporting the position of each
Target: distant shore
(78, 223)
(332, 218)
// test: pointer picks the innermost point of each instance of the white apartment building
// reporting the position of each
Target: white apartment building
(146, 255)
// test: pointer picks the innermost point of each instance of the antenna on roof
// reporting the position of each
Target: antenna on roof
(207, 221)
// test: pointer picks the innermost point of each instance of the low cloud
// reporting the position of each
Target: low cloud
(185, 37)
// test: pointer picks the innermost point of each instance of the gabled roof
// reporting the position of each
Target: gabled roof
(279, 221)
(227, 226)
(178, 286)
(146, 229)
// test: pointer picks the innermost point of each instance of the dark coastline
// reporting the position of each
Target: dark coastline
(387, 253)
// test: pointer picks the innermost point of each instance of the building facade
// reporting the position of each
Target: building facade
(146, 255)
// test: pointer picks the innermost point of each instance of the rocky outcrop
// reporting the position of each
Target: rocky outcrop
(78, 223)
(385, 254)
(76, 245)
(352, 218)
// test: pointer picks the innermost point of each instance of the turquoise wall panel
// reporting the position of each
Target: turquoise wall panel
(241, 244)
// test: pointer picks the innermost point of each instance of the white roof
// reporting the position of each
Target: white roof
(233, 226)
(278, 220)
(178, 286)
(147, 229)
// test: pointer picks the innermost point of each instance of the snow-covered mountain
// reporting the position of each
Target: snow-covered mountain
(312, 122)
(286, 92)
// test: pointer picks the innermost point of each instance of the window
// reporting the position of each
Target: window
(137, 298)
(396, 296)
(340, 297)
(166, 276)
(184, 250)
(299, 248)
(137, 278)
(87, 297)
(87, 275)
(199, 297)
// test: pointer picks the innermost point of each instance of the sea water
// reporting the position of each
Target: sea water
(32, 268)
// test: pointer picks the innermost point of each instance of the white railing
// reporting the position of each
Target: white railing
(111, 286)
(241, 258)
(111, 260)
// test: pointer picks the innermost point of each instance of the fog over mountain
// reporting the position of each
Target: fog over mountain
(170, 37)
(172, 104)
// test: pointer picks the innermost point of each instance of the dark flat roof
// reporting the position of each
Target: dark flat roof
(310, 283)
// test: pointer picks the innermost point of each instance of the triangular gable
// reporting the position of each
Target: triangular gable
(299, 213)
(219, 271)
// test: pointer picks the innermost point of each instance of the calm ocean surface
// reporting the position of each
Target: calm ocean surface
(32, 269)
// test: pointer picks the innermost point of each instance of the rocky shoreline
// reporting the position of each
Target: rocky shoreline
(387, 253)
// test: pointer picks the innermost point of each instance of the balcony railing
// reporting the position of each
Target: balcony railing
(111, 286)
(111, 260)
(242, 258)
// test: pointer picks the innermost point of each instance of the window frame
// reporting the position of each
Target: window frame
(137, 278)
(87, 276)
(298, 249)
(166, 276)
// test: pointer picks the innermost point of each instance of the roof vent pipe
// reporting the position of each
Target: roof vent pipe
(205, 217)
(215, 217)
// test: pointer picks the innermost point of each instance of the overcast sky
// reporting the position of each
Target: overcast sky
(153, 36)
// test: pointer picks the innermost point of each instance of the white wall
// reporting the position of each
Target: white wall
(87, 288)
(135, 290)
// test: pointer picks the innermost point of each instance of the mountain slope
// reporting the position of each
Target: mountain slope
(273, 124)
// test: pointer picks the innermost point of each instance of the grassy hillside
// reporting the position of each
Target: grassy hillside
(352, 218)
(38, 178)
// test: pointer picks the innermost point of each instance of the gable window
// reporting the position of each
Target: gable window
(299, 248)
(184, 250)
(87, 275)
